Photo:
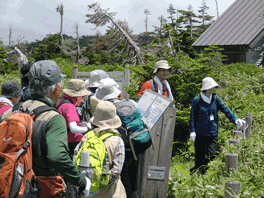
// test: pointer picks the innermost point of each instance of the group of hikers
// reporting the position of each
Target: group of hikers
(93, 111)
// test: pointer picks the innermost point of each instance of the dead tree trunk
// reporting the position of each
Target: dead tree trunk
(101, 17)
(60, 9)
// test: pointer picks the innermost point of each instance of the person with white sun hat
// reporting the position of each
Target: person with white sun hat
(203, 123)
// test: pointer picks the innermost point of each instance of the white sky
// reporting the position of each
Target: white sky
(34, 19)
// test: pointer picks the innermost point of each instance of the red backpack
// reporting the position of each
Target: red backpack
(17, 178)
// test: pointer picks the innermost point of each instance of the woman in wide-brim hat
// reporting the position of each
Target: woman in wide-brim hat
(105, 120)
(67, 107)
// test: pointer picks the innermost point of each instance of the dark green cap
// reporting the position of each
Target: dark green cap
(45, 73)
(11, 89)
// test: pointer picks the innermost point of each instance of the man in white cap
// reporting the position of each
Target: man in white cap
(203, 123)
(159, 81)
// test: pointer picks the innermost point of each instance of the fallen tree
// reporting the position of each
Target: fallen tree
(100, 18)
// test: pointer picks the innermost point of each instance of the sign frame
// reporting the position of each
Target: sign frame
(152, 105)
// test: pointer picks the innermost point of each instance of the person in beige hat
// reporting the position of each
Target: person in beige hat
(67, 107)
(108, 91)
(105, 120)
(203, 123)
(159, 81)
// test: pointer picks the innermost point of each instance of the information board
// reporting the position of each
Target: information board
(151, 106)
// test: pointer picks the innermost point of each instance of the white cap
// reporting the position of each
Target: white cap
(107, 89)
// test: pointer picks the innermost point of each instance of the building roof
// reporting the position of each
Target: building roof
(238, 25)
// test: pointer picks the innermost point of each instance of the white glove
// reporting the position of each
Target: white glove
(87, 188)
(193, 136)
(240, 123)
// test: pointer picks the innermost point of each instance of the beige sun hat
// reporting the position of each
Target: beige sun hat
(76, 88)
(208, 83)
(107, 89)
(161, 64)
(105, 116)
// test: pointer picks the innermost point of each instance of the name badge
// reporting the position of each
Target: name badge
(211, 117)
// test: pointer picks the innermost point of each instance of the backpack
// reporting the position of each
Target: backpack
(84, 109)
(134, 132)
(98, 159)
(17, 178)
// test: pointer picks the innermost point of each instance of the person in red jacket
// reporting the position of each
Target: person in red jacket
(159, 81)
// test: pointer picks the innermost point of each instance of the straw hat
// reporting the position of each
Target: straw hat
(76, 88)
(208, 83)
(107, 89)
(105, 116)
(162, 64)
(96, 76)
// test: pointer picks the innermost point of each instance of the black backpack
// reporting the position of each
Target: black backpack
(84, 109)
(199, 103)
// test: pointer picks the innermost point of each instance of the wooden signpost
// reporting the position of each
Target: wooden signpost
(154, 165)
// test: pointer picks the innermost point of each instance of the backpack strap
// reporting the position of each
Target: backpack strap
(41, 109)
(199, 102)
(153, 86)
(17, 107)
(86, 100)
(64, 100)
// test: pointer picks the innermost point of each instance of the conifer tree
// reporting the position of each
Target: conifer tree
(188, 33)
(205, 18)
(171, 11)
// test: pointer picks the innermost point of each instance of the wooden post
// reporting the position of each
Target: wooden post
(127, 83)
(234, 142)
(230, 162)
(248, 125)
(74, 71)
(127, 77)
(155, 162)
(232, 188)
(238, 133)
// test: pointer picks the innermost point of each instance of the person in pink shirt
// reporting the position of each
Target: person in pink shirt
(67, 107)
(11, 94)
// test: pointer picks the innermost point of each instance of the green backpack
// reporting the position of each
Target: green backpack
(98, 159)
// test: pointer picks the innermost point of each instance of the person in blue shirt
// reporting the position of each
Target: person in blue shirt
(203, 123)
